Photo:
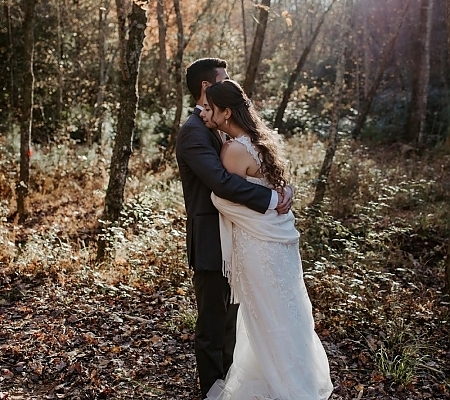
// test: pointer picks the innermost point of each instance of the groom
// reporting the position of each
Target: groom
(201, 172)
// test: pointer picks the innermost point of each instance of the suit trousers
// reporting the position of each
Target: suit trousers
(215, 331)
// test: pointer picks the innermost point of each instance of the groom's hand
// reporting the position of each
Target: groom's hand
(285, 198)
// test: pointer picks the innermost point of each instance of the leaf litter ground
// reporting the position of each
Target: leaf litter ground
(76, 336)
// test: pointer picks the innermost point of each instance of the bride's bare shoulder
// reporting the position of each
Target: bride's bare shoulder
(236, 158)
(233, 147)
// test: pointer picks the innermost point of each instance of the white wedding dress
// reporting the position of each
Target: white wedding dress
(278, 355)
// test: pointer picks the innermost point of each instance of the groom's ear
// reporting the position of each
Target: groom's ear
(205, 84)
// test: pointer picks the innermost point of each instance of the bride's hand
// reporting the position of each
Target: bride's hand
(285, 199)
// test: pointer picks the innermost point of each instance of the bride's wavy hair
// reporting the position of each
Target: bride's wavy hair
(229, 94)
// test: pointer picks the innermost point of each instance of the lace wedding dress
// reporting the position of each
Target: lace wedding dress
(278, 355)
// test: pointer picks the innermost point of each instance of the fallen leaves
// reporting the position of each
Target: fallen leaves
(107, 344)
(7, 374)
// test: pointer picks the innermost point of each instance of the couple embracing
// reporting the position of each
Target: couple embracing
(255, 335)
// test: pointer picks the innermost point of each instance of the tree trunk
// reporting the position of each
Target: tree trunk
(421, 75)
(448, 57)
(358, 83)
(367, 58)
(255, 54)
(294, 76)
(11, 58)
(425, 78)
(163, 75)
(448, 32)
(178, 80)
(447, 271)
(244, 33)
(130, 56)
(59, 45)
(384, 57)
(27, 111)
(102, 77)
(333, 132)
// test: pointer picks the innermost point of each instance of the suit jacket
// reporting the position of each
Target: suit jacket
(201, 171)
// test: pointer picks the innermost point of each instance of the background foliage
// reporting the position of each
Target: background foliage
(374, 251)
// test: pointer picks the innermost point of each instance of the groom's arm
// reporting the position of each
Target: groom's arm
(202, 158)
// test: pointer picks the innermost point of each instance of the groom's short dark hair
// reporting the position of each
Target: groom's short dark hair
(201, 70)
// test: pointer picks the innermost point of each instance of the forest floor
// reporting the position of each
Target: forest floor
(76, 337)
(124, 329)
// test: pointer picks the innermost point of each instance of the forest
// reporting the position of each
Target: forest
(96, 296)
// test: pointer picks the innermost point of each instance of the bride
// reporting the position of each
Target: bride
(278, 355)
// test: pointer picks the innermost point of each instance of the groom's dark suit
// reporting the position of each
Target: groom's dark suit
(201, 172)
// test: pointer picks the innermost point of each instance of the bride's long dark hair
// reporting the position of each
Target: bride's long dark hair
(229, 94)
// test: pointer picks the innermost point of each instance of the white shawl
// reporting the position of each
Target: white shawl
(270, 227)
